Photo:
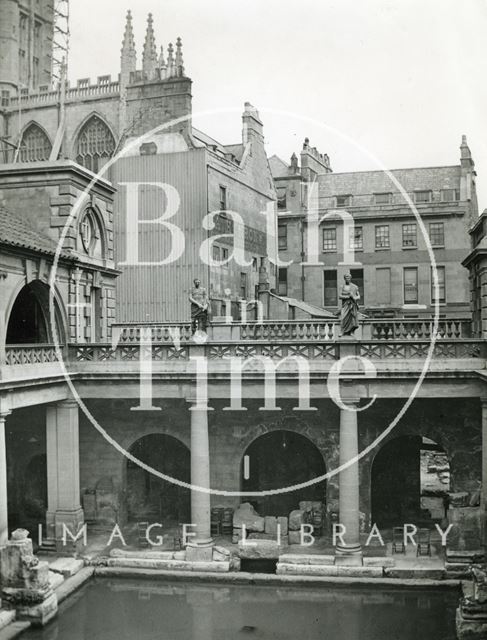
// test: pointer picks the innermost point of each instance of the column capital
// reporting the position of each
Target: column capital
(4, 414)
(69, 403)
(353, 401)
(483, 401)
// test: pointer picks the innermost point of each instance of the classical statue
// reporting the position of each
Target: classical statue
(349, 295)
(199, 307)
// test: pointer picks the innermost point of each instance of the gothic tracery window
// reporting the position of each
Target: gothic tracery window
(35, 145)
(95, 144)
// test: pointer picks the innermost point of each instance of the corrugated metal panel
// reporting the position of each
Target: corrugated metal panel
(159, 293)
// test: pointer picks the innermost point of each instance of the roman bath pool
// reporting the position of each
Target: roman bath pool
(120, 609)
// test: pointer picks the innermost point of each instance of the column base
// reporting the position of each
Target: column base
(68, 525)
(350, 556)
(200, 550)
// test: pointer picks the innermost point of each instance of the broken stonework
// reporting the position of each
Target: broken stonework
(26, 586)
(248, 516)
(296, 519)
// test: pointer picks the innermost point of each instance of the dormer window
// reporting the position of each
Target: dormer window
(344, 201)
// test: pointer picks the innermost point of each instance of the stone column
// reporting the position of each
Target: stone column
(348, 481)
(3, 482)
(483, 494)
(200, 546)
(63, 499)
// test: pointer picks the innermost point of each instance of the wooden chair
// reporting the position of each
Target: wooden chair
(216, 517)
(423, 547)
(227, 521)
(398, 545)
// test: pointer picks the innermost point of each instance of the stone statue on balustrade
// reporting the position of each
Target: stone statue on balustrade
(350, 296)
(199, 307)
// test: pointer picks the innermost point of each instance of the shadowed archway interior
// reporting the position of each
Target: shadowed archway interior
(410, 482)
(150, 498)
(279, 459)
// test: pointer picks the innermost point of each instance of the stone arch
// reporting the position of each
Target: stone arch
(28, 317)
(149, 498)
(409, 481)
(279, 458)
(94, 143)
(35, 144)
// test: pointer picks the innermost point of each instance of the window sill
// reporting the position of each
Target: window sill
(382, 249)
(410, 248)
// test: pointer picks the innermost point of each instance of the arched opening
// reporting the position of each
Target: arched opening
(35, 146)
(95, 144)
(410, 482)
(279, 459)
(29, 320)
(150, 498)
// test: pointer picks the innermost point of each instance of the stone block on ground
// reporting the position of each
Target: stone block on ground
(259, 549)
(270, 525)
(55, 579)
(310, 505)
(296, 519)
(459, 499)
(67, 567)
(306, 558)
(294, 537)
(221, 554)
(379, 562)
(359, 572)
(150, 555)
(283, 522)
(283, 568)
(6, 617)
(248, 516)
(199, 554)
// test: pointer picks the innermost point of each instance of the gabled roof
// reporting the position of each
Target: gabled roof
(279, 168)
(18, 231)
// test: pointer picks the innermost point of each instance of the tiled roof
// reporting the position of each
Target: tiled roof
(17, 231)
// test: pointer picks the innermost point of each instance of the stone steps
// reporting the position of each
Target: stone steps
(6, 618)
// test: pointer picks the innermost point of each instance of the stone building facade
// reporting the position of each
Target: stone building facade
(90, 123)
(391, 264)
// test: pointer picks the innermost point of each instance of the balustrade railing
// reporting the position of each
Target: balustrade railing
(30, 354)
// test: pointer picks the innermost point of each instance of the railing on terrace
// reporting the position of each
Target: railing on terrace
(299, 330)
(30, 354)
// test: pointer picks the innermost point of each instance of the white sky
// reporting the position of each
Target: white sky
(403, 78)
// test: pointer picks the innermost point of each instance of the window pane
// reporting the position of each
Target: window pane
(330, 296)
(441, 285)
(450, 195)
(223, 198)
(383, 198)
(383, 285)
(282, 236)
(422, 196)
(329, 239)
(382, 237)
(437, 234)
(409, 235)
(410, 285)
(358, 279)
(282, 282)
(355, 238)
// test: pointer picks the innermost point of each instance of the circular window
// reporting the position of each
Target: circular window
(87, 230)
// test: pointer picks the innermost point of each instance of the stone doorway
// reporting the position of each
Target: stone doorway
(279, 459)
(410, 482)
(153, 499)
